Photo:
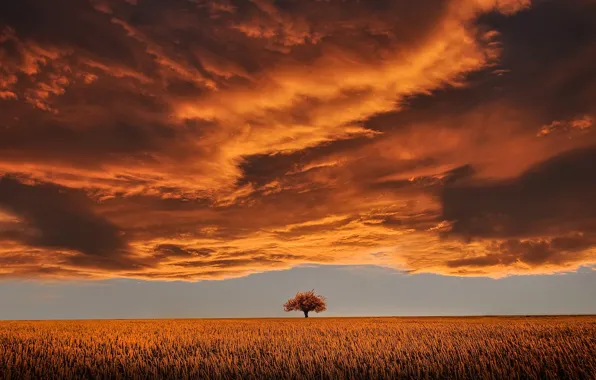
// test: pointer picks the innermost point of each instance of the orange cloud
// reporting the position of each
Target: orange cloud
(582, 124)
(218, 139)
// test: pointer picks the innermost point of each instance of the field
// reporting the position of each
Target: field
(488, 347)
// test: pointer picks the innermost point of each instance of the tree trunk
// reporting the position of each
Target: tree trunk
(306, 314)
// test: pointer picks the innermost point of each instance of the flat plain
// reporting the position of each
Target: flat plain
(323, 348)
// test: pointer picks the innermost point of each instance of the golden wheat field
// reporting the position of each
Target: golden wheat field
(487, 348)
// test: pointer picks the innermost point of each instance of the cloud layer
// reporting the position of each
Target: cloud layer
(213, 139)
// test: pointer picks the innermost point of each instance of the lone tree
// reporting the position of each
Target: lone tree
(306, 302)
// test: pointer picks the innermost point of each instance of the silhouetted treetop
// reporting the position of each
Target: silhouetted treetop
(306, 302)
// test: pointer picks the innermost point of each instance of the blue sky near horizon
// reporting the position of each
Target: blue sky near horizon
(351, 291)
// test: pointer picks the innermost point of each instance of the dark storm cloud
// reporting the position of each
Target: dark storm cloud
(173, 250)
(265, 168)
(533, 253)
(72, 24)
(60, 218)
(549, 54)
(556, 196)
(57, 141)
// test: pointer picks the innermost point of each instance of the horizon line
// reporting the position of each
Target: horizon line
(321, 317)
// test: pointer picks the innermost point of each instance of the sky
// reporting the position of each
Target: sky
(224, 149)
(350, 291)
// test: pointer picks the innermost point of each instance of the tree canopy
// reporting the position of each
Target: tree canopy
(306, 302)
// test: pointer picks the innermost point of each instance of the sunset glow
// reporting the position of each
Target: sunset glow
(215, 139)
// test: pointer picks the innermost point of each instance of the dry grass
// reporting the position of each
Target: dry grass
(498, 348)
